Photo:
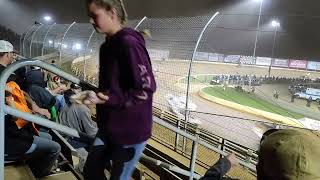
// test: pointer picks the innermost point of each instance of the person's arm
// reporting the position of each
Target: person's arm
(35, 108)
(144, 85)
(58, 90)
(220, 168)
(140, 71)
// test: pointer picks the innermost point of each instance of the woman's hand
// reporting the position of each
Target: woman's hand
(94, 98)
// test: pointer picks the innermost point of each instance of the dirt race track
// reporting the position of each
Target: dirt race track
(235, 129)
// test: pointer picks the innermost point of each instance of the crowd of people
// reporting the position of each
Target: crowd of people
(123, 103)
(35, 91)
(237, 79)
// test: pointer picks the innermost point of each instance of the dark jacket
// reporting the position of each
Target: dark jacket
(42, 97)
(126, 76)
(35, 77)
(218, 170)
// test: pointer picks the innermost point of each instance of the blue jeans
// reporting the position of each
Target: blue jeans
(44, 152)
(60, 102)
(122, 159)
(76, 143)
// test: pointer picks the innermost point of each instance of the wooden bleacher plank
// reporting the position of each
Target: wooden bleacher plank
(18, 172)
(61, 176)
(178, 157)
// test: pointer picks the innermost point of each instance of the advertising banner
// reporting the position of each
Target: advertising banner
(263, 61)
(215, 57)
(156, 54)
(247, 60)
(298, 64)
(232, 59)
(201, 56)
(313, 65)
(310, 123)
(280, 62)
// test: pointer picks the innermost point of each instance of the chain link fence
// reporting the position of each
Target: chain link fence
(182, 70)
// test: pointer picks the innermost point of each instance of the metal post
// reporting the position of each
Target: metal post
(85, 60)
(194, 155)
(34, 33)
(45, 38)
(176, 147)
(24, 38)
(140, 22)
(274, 41)
(2, 133)
(64, 35)
(273, 45)
(190, 65)
(257, 34)
(193, 56)
(258, 29)
(21, 43)
(222, 147)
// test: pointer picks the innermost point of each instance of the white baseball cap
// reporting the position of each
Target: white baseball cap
(5, 46)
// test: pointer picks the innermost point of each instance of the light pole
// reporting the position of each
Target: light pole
(257, 31)
(275, 24)
(258, 28)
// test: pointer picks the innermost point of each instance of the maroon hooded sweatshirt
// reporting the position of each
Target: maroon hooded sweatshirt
(126, 77)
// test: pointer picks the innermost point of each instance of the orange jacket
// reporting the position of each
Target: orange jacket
(19, 103)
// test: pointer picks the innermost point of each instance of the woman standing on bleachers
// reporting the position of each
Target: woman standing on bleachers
(124, 103)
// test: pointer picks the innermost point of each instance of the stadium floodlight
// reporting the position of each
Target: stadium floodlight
(50, 41)
(64, 46)
(77, 46)
(47, 18)
(275, 23)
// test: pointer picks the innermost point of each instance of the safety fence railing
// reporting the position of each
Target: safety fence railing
(169, 139)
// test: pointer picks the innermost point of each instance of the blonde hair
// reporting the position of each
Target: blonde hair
(109, 4)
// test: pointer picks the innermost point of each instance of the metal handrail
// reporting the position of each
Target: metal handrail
(204, 134)
(4, 109)
(201, 142)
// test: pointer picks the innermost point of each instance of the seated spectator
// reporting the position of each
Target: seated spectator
(21, 137)
(35, 84)
(289, 154)
(44, 99)
(35, 77)
(75, 88)
(77, 116)
(220, 168)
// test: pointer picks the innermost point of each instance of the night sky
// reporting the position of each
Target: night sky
(299, 35)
